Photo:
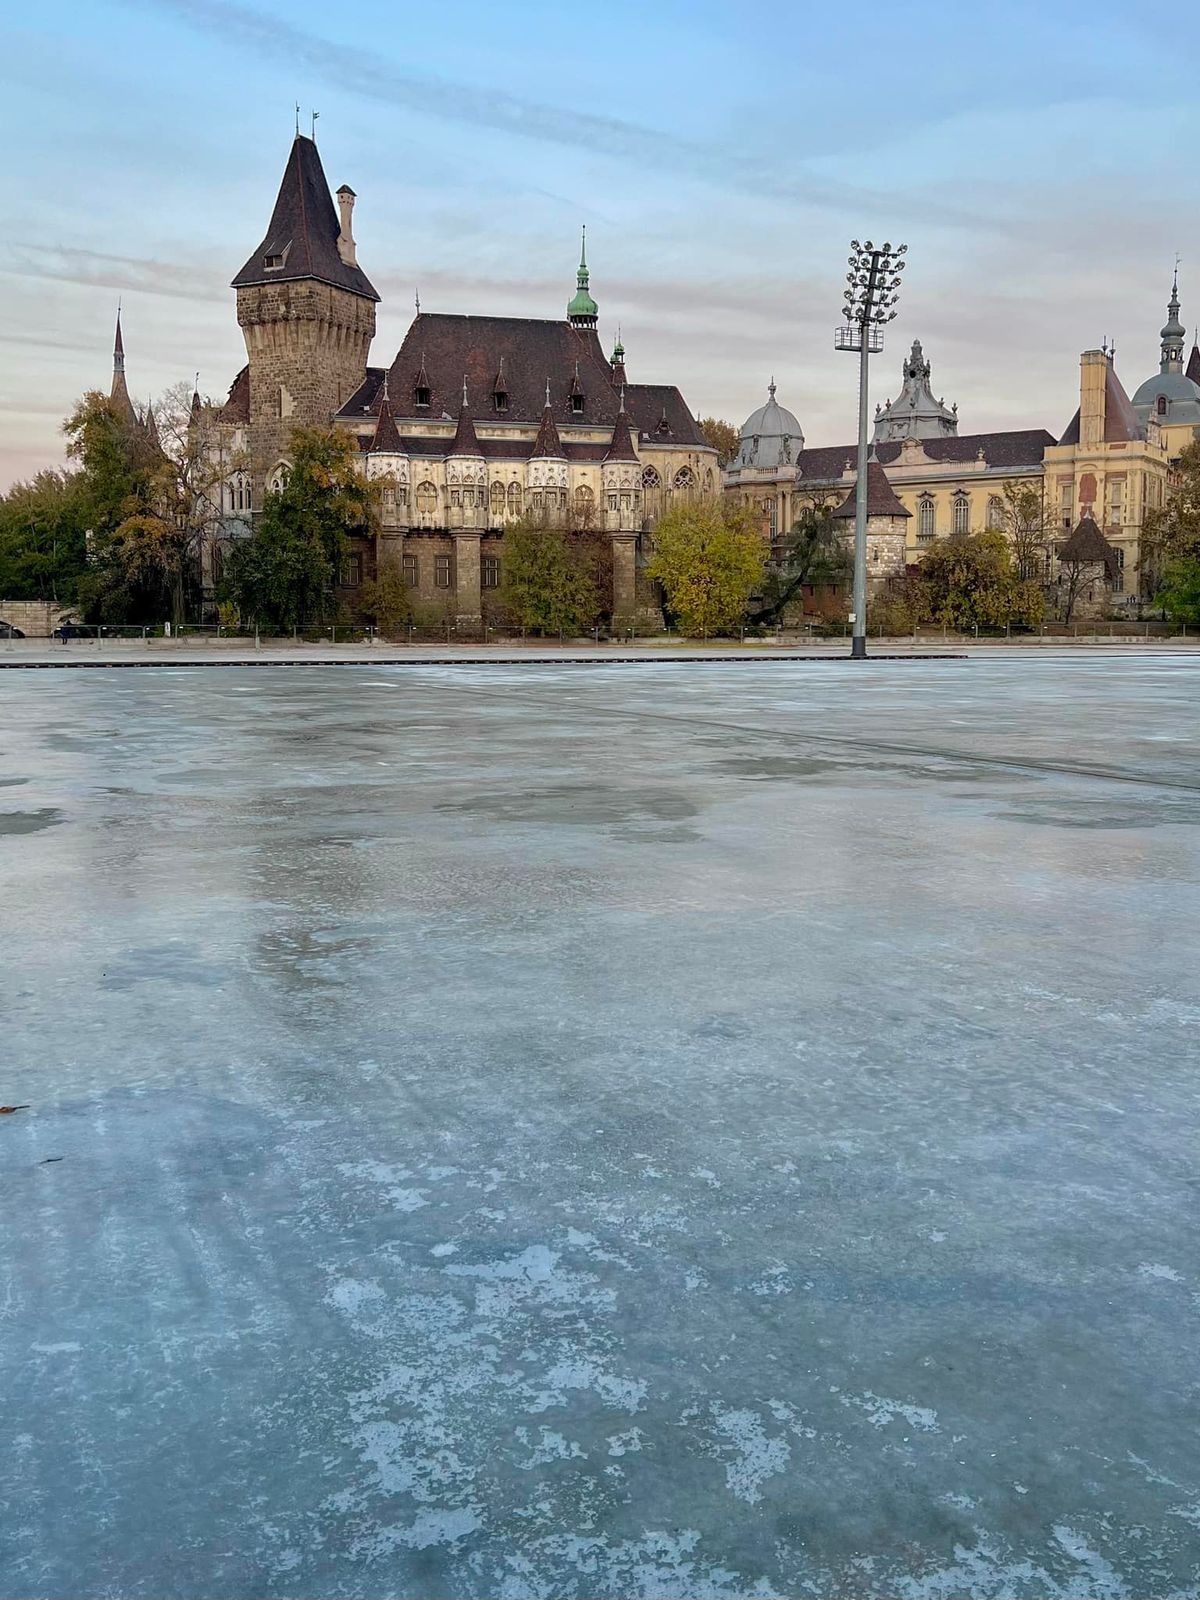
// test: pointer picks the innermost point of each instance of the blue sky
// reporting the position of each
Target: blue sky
(1038, 159)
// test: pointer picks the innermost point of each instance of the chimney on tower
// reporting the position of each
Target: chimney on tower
(345, 240)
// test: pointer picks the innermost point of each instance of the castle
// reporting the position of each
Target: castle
(476, 422)
(1110, 465)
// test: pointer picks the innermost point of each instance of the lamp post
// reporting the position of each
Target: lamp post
(872, 290)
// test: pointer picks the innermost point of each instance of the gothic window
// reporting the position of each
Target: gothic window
(426, 498)
(514, 499)
(389, 505)
(995, 511)
(500, 399)
(537, 499)
(962, 513)
(456, 498)
(925, 517)
(352, 572)
(279, 478)
(489, 572)
(685, 480)
(584, 498)
(402, 496)
(497, 499)
(409, 568)
(650, 478)
(441, 572)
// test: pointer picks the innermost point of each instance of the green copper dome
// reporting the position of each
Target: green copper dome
(582, 311)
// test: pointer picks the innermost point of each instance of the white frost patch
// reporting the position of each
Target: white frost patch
(352, 1295)
(775, 1280)
(581, 1372)
(443, 1249)
(706, 1175)
(550, 1447)
(1103, 1583)
(588, 1242)
(624, 1444)
(67, 1347)
(980, 1571)
(658, 1566)
(694, 1280)
(960, 1502)
(1187, 1513)
(1155, 1269)
(882, 1411)
(758, 1456)
(393, 1177)
(534, 1265)
(427, 1529)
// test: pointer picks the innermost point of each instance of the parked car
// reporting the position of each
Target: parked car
(73, 630)
(8, 631)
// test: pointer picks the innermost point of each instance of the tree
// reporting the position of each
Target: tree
(709, 558)
(1084, 559)
(722, 436)
(1171, 532)
(43, 539)
(813, 556)
(286, 574)
(385, 600)
(971, 581)
(1027, 526)
(1180, 590)
(546, 586)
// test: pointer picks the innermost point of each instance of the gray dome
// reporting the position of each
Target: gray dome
(1182, 397)
(914, 413)
(770, 437)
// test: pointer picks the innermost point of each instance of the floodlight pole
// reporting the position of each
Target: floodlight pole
(874, 281)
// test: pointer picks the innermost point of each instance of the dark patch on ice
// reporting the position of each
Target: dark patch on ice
(1082, 813)
(588, 807)
(12, 783)
(18, 822)
(163, 963)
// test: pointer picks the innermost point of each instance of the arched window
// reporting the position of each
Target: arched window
(708, 481)
(995, 511)
(650, 478)
(962, 513)
(426, 498)
(1160, 405)
(279, 478)
(497, 499)
(584, 499)
(514, 499)
(925, 517)
(685, 481)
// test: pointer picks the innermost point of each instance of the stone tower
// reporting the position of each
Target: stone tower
(307, 311)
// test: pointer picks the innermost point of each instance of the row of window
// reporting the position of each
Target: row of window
(960, 515)
(443, 571)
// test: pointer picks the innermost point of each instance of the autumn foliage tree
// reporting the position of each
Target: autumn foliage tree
(1171, 542)
(722, 436)
(709, 557)
(548, 582)
(972, 582)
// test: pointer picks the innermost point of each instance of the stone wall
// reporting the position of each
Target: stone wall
(37, 619)
(307, 345)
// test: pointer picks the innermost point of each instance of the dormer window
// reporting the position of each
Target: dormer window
(500, 400)
(1161, 405)
(423, 397)
(576, 405)
(275, 260)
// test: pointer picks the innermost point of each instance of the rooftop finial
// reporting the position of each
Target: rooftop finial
(297, 119)
(418, 298)
(547, 394)
(313, 126)
(771, 387)
(464, 391)
(583, 249)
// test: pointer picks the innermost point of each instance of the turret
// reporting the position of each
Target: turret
(466, 471)
(621, 477)
(119, 393)
(306, 309)
(546, 471)
(1172, 333)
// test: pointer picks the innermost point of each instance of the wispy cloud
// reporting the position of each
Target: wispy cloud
(99, 270)
(366, 74)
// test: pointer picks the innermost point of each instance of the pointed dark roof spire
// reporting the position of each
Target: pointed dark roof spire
(302, 237)
(1088, 546)
(1193, 366)
(466, 443)
(547, 442)
(119, 393)
(151, 427)
(197, 403)
(621, 445)
(387, 436)
(882, 500)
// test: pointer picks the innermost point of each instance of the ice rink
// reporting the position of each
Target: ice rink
(565, 1131)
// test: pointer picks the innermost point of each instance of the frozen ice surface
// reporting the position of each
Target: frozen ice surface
(579, 1132)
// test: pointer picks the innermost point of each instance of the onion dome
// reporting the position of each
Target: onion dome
(582, 310)
(771, 437)
(1172, 395)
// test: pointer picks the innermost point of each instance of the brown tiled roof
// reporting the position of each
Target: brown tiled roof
(532, 351)
(1088, 546)
(304, 230)
(547, 442)
(881, 497)
(1022, 447)
(237, 408)
(1120, 419)
(387, 436)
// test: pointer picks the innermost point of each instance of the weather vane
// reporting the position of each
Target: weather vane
(313, 134)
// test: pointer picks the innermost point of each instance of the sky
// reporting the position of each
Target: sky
(1038, 160)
